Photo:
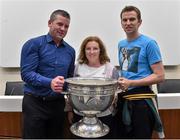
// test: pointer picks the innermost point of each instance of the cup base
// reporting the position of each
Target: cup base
(89, 130)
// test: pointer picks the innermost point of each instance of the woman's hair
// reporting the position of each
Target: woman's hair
(103, 57)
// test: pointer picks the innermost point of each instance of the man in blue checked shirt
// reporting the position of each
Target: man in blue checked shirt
(45, 62)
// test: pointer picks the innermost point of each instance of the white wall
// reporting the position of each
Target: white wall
(23, 19)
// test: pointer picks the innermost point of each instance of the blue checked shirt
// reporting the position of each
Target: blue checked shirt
(42, 60)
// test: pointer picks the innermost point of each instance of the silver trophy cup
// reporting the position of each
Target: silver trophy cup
(90, 96)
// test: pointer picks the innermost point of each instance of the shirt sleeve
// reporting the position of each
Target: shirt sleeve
(153, 52)
(108, 70)
(72, 65)
(29, 64)
(76, 70)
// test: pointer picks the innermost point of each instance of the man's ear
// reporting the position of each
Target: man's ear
(140, 22)
(49, 23)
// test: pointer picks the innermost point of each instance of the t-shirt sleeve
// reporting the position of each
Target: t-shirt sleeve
(153, 52)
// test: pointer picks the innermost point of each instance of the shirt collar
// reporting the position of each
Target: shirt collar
(49, 39)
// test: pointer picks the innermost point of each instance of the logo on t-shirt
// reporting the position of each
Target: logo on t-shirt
(129, 59)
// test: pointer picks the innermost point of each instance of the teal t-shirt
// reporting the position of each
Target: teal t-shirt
(136, 57)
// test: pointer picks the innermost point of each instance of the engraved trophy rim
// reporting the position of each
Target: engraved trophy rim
(91, 81)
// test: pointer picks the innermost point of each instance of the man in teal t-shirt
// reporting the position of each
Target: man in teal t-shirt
(140, 67)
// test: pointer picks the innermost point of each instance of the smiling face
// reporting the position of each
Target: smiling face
(92, 52)
(58, 28)
(130, 23)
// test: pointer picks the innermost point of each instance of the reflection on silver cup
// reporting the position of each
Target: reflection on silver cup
(90, 96)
